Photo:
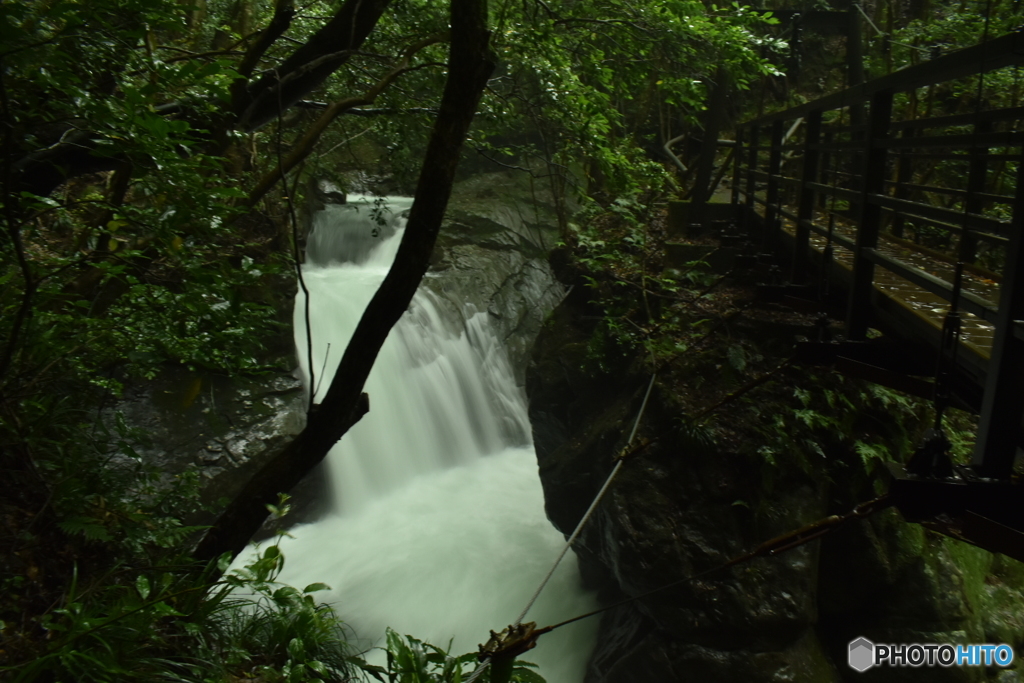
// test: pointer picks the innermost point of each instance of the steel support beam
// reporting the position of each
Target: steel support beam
(751, 181)
(1003, 403)
(904, 174)
(737, 166)
(808, 196)
(973, 204)
(772, 224)
(873, 179)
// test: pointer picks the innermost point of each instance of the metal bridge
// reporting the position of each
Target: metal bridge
(898, 205)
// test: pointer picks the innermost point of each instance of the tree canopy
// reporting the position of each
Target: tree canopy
(150, 167)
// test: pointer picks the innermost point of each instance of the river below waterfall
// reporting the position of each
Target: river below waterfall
(438, 527)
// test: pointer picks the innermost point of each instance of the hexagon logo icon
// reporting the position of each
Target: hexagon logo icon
(862, 654)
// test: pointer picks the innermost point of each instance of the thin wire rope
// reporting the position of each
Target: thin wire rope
(590, 510)
(296, 257)
(579, 527)
(814, 531)
(771, 548)
(479, 670)
(886, 35)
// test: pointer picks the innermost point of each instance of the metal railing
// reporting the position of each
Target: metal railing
(902, 177)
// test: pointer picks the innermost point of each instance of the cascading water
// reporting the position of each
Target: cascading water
(438, 528)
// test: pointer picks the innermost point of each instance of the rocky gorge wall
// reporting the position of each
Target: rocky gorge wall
(491, 256)
(688, 503)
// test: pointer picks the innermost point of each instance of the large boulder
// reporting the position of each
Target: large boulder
(491, 256)
(685, 505)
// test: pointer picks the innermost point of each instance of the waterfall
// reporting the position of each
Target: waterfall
(438, 527)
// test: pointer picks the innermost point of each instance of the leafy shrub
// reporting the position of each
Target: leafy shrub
(413, 661)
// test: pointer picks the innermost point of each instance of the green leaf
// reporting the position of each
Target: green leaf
(314, 587)
(521, 674)
(165, 610)
(372, 669)
(286, 594)
(142, 585)
(737, 357)
(296, 649)
(87, 526)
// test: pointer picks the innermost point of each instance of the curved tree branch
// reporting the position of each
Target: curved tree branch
(470, 63)
(284, 11)
(254, 104)
(329, 48)
(305, 146)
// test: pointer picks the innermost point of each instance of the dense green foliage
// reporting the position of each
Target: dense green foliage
(702, 330)
(170, 625)
(145, 227)
(143, 265)
(603, 82)
(161, 239)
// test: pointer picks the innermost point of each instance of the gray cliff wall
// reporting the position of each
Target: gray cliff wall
(684, 506)
(491, 257)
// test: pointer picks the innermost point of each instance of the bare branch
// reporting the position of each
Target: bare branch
(470, 63)
(328, 48)
(284, 11)
(606, 22)
(303, 148)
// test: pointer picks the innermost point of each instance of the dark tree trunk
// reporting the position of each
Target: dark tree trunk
(255, 104)
(470, 64)
(702, 190)
(310, 65)
(42, 171)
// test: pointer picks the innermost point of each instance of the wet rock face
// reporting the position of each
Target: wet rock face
(491, 256)
(893, 582)
(211, 420)
(322, 192)
(669, 514)
(227, 427)
(680, 509)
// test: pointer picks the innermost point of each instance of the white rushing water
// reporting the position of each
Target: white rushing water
(439, 528)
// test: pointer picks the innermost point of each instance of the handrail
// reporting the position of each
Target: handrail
(1006, 50)
(874, 175)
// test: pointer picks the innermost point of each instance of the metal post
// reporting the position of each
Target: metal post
(976, 176)
(872, 182)
(904, 175)
(1003, 402)
(736, 172)
(805, 211)
(772, 225)
(826, 162)
(717, 104)
(751, 181)
(854, 61)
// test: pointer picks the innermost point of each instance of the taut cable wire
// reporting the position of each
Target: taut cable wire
(579, 527)
(775, 546)
(590, 510)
